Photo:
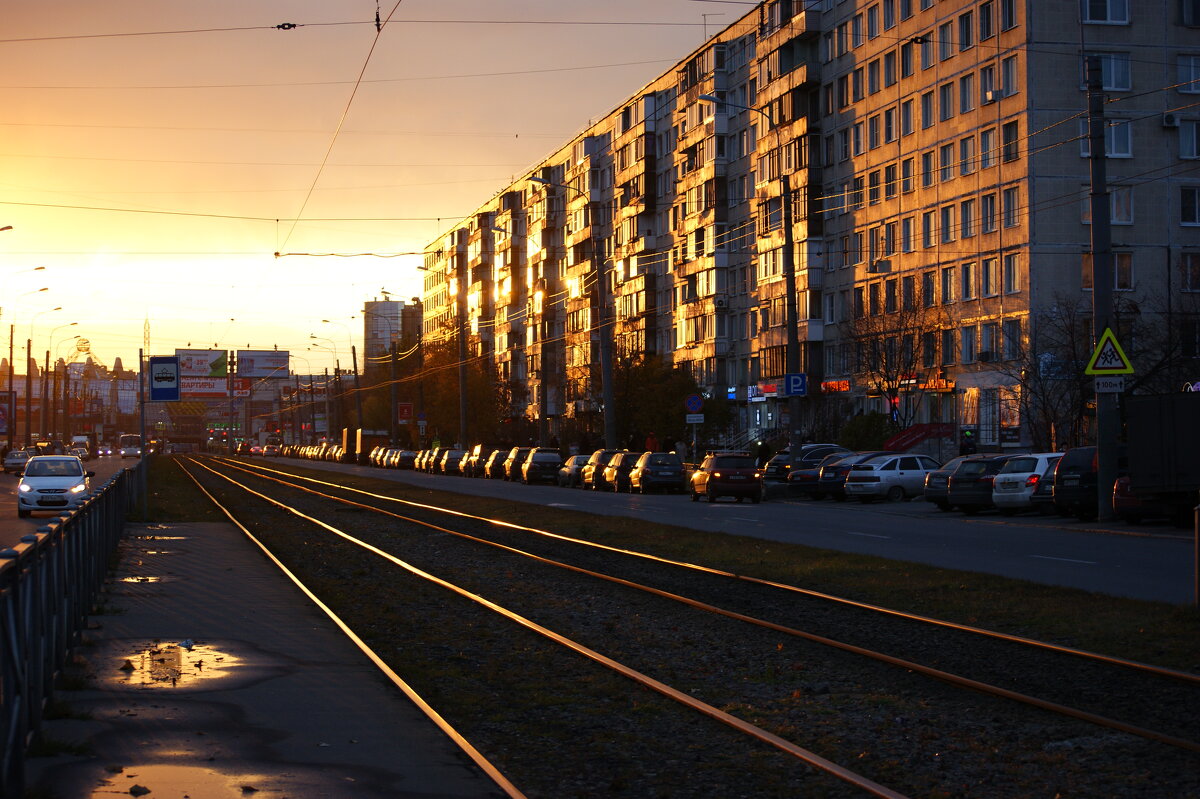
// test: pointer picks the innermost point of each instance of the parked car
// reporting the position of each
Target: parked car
(402, 459)
(52, 483)
(783, 462)
(727, 474)
(493, 468)
(1042, 498)
(15, 460)
(271, 451)
(472, 465)
(512, 463)
(657, 471)
(449, 460)
(569, 472)
(1075, 483)
(1013, 488)
(592, 475)
(616, 471)
(894, 477)
(832, 481)
(937, 483)
(1135, 509)
(803, 482)
(970, 486)
(541, 465)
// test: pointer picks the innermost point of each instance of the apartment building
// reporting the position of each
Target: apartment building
(916, 170)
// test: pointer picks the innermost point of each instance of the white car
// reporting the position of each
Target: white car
(894, 477)
(53, 483)
(1016, 481)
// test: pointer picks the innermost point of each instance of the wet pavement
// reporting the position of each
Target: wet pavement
(209, 675)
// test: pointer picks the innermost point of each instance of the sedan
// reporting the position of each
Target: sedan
(970, 487)
(656, 471)
(15, 461)
(569, 472)
(727, 474)
(52, 483)
(894, 478)
(832, 482)
(1012, 490)
(616, 472)
(541, 466)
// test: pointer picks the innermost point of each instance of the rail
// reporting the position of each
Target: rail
(47, 586)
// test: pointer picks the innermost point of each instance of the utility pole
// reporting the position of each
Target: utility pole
(392, 388)
(606, 343)
(1108, 424)
(792, 355)
(12, 391)
(357, 387)
(30, 365)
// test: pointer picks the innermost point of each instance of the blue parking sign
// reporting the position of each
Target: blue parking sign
(795, 385)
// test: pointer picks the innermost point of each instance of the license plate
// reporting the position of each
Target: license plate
(1070, 481)
(737, 477)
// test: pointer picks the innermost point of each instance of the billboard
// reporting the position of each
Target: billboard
(262, 363)
(201, 363)
(212, 388)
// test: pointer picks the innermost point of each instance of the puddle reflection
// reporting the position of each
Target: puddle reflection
(176, 665)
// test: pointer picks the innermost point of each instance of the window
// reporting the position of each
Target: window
(1012, 339)
(889, 181)
(987, 148)
(908, 292)
(906, 175)
(928, 281)
(906, 234)
(856, 136)
(1010, 200)
(873, 77)
(948, 285)
(928, 349)
(873, 182)
(966, 222)
(872, 22)
(1191, 13)
(889, 14)
(1189, 139)
(1008, 75)
(927, 169)
(843, 144)
(1012, 278)
(968, 281)
(945, 40)
(985, 21)
(1189, 74)
(966, 155)
(967, 338)
(987, 277)
(889, 68)
(843, 92)
(947, 224)
(946, 162)
(873, 299)
(928, 228)
(906, 9)
(926, 42)
(966, 31)
(927, 116)
(989, 340)
(856, 85)
(966, 93)
(1010, 147)
(906, 59)
(1190, 266)
(1008, 14)
(856, 31)
(1114, 12)
(1120, 205)
(873, 132)
(1122, 265)
(906, 118)
(948, 348)
(987, 85)
(1189, 205)
(890, 299)
(946, 100)
(1114, 71)
(987, 213)
(1118, 139)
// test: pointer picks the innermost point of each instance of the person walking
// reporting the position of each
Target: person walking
(652, 442)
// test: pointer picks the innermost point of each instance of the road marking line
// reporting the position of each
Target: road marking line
(742, 519)
(1067, 560)
(868, 535)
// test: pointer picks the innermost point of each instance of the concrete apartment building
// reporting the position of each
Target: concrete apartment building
(935, 157)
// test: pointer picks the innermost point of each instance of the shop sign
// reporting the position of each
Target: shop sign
(835, 386)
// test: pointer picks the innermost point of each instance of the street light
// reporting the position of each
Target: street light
(47, 394)
(604, 328)
(30, 365)
(791, 321)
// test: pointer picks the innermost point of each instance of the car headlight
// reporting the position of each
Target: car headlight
(26, 488)
(75, 489)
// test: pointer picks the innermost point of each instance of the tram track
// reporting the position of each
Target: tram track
(785, 610)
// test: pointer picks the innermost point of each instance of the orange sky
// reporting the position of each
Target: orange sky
(148, 148)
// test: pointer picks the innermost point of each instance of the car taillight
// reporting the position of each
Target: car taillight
(987, 480)
(716, 475)
(1032, 480)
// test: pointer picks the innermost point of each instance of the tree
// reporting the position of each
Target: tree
(650, 394)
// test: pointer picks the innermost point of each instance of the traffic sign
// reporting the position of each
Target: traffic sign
(694, 418)
(164, 378)
(694, 403)
(1109, 358)
(795, 385)
(1110, 385)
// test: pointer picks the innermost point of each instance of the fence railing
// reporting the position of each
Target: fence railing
(48, 583)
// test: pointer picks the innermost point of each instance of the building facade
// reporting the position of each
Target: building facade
(917, 171)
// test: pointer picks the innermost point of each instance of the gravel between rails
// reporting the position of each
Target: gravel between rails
(558, 727)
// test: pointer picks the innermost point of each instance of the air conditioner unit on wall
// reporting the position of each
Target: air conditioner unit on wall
(882, 265)
(1170, 120)
(720, 302)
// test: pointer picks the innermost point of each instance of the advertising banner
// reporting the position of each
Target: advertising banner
(202, 363)
(262, 363)
(203, 387)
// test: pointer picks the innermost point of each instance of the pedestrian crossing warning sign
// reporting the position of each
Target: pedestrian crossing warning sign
(1109, 358)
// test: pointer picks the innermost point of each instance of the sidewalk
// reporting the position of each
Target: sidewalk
(211, 676)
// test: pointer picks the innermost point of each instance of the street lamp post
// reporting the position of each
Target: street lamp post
(604, 328)
(49, 390)
(354, 364)
(791, 316)
(30, 366)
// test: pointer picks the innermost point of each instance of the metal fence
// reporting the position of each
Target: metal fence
(48, 583)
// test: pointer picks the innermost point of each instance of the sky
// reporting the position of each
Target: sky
(156, 155)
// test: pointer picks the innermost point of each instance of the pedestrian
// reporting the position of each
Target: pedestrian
(681, 449)
(651, 442)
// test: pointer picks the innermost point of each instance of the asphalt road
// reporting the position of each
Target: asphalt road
(1152, 561)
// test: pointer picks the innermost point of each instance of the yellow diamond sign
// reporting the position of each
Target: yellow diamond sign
(1109, 358)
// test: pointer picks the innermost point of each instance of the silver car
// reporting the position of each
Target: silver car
(895, 477)
(1014, 484)
(15, 461)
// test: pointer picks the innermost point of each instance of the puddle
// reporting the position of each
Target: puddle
(175, 665)
(145, 579)
(175, 782)
(163, 537)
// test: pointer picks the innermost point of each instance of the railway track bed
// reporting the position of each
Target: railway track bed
(839, 699)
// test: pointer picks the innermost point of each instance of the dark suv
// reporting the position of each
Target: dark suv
(727, 474)
(808, 455)
(970, 486)
(1075, 492)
